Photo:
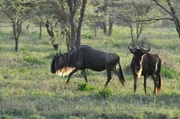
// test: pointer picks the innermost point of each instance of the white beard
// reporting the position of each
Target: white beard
(64, 71)
(139, 72)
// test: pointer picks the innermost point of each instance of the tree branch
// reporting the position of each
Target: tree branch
(163, 7)
(154, 19)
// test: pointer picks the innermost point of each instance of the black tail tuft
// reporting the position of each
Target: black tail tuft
(159, 84)
(122, 75)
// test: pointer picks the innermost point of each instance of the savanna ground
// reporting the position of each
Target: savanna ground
(29, 91)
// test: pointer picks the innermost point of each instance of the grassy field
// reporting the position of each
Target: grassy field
(29, 91)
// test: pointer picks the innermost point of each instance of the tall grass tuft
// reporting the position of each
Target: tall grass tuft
(34, 60)
(168, 73)
(104, 93)
(85, 87)
(36, 117)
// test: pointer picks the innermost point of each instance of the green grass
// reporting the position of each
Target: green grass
(29, 91)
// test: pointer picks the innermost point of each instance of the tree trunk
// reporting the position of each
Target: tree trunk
(78, 40)
(139, 29)
(16, 44)
(40, 29)
(95, 30)
(132, 37)
(176, 20)
(67, 39)
(16, 31)
(72, 11)
(172, 13)
(104, 27)
(73, 32)
(110, 26)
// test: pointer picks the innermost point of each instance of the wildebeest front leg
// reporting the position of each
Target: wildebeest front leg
(135, 83)
(83, 72)
(74, 71)
(108, 76)
(145, 77)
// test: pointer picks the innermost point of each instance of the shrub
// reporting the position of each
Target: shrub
(5, 117)
(85, 87)
(36, 117)
(87, 36)
(34, 60)
(23, 70)
(50, 56)
(105, 93)
(166, 72)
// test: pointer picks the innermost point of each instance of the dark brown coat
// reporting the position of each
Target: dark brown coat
(146, 64)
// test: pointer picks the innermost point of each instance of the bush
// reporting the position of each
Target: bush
(5, 117)
(36, 117)
(85, 87)
(34, 60)
(166, 72)
(105, 93)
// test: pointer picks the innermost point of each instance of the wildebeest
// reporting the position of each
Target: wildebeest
(85, 57)
(146, 64)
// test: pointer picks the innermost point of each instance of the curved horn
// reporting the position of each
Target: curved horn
(131, 48)
(146, 48)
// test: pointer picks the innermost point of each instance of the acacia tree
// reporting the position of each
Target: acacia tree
(74, 5)
(102, 16)
(62, 14)
(133, 14)
(16, 11)
(170, 10)
(54, 14)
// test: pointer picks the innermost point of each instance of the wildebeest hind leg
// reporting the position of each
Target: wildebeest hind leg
(108, 76)
(83, 72)
(155, 82)
(74, 71)
(119, 76)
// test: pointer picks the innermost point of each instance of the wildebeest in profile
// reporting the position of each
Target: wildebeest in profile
(146, 64)
(85, 57)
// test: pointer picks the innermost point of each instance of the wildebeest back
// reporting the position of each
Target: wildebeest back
(91, 58)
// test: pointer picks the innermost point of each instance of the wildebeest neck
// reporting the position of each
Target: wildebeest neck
(138, 65)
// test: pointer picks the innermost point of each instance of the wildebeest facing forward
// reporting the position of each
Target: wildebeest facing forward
(85, 57)
(146, 64)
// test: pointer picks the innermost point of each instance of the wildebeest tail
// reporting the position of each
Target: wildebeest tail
(159, 84)
(121, 74)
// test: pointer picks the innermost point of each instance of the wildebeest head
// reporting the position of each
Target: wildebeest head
(59, 65)
(138, 53)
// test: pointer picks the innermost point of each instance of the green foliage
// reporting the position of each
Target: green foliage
(87, 36)
(105, 92)
(23, 70)
(36, 117)
(168, 73)
(31, 91)
(50, 56)
(5, 117)
(85, 86)
(34, 60)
